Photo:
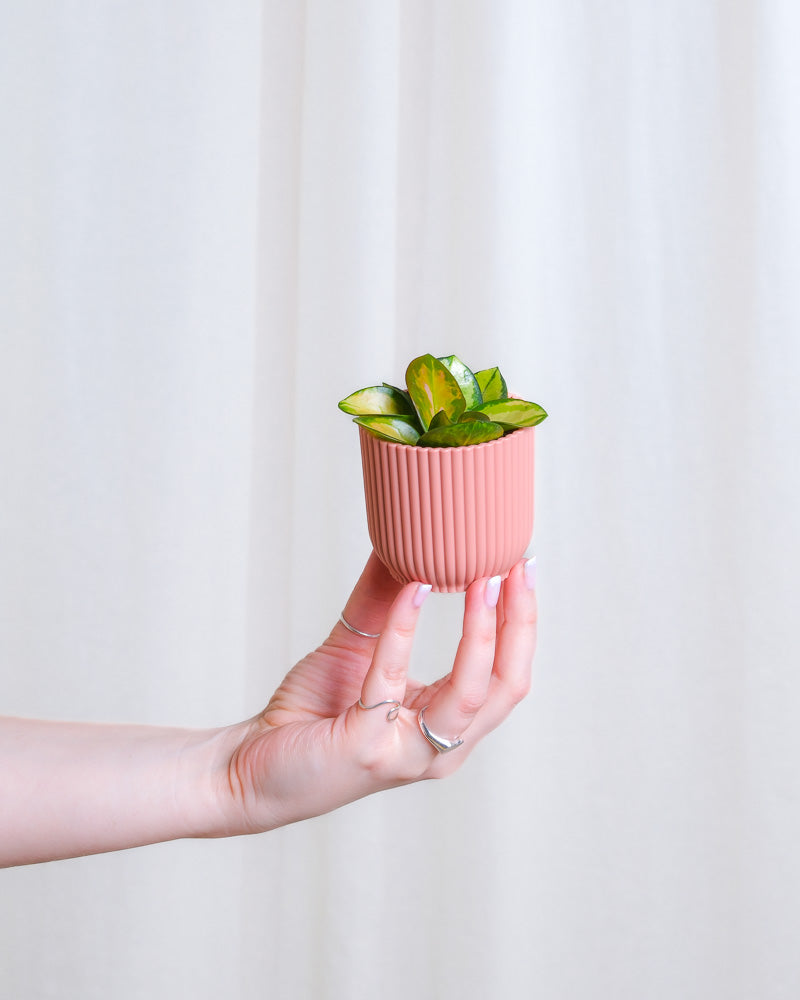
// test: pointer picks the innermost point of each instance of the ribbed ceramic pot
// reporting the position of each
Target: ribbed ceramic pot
(448, 516)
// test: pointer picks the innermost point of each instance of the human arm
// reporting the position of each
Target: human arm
(69, 789)
(73, 788)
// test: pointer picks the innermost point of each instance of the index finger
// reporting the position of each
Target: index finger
(388, 672)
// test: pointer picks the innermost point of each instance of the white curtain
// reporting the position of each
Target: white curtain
(217, 219)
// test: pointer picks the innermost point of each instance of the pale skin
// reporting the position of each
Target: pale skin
(71, 789)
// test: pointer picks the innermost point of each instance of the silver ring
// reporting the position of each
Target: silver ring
(391, 715)
(367, 635)
(437, 742)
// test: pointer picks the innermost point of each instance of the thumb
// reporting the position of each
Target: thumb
(373, 594)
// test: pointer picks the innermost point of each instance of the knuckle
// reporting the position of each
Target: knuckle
(384, 769)
(531, 616)
(471, 701)
(410, 772)
(481, 633)
(519, 689)
(393, 671)
(401, 631)
(371, 758)
(526, 616)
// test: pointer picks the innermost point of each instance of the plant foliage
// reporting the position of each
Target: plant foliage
(444, 405)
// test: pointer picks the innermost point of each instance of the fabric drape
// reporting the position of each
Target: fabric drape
(219, 219)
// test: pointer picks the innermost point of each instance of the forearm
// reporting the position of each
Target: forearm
(69, 789)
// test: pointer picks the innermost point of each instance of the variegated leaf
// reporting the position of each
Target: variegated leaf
(403, 393)
(433, 388)
(466, 380)
(513, 413)
(401, 430)
(459, 435)
(440, 419)
(377, 399)
(492, 384)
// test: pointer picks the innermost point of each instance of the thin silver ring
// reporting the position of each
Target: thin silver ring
(391, 715)
(437, 742)
(357, 631)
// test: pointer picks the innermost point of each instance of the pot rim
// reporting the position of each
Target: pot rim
(459, 447)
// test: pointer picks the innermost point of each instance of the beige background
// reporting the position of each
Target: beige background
(217, 220)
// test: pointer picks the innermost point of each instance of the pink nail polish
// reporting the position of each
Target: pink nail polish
(530, 573)
(422, 592)
(492, 592)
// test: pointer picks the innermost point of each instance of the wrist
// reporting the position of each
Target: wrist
(215, 794)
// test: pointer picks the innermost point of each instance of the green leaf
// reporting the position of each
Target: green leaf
(440, 420)
(468, 415)
(459, 435)
(403, 393)
(377, 399)
(513, 413)
(466, 380)
(492, 384)
(402, 430)
(433, 388)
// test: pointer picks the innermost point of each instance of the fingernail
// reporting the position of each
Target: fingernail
(530, 573)
(492, 591)
(422, 592)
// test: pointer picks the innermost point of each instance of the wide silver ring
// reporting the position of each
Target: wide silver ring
(357, 631)
(437, 742)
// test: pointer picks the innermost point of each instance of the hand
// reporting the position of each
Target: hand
(313, 748)
(72, 788)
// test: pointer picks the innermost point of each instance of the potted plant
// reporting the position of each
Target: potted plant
(448, 472)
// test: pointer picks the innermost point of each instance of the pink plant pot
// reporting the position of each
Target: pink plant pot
(448, 516)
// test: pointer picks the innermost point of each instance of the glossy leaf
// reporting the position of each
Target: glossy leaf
(492, 384)
(468, 415)
(403, 393)
(459, 435)
(402, 430)
(433, 388)
(466, 380)
(513, 413)
(377, 399)
(441, 420)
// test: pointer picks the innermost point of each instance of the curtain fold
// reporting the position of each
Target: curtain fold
(216, 222)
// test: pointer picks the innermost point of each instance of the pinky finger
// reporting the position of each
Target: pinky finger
(516, 640)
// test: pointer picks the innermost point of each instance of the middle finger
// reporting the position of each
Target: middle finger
(461, 696)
